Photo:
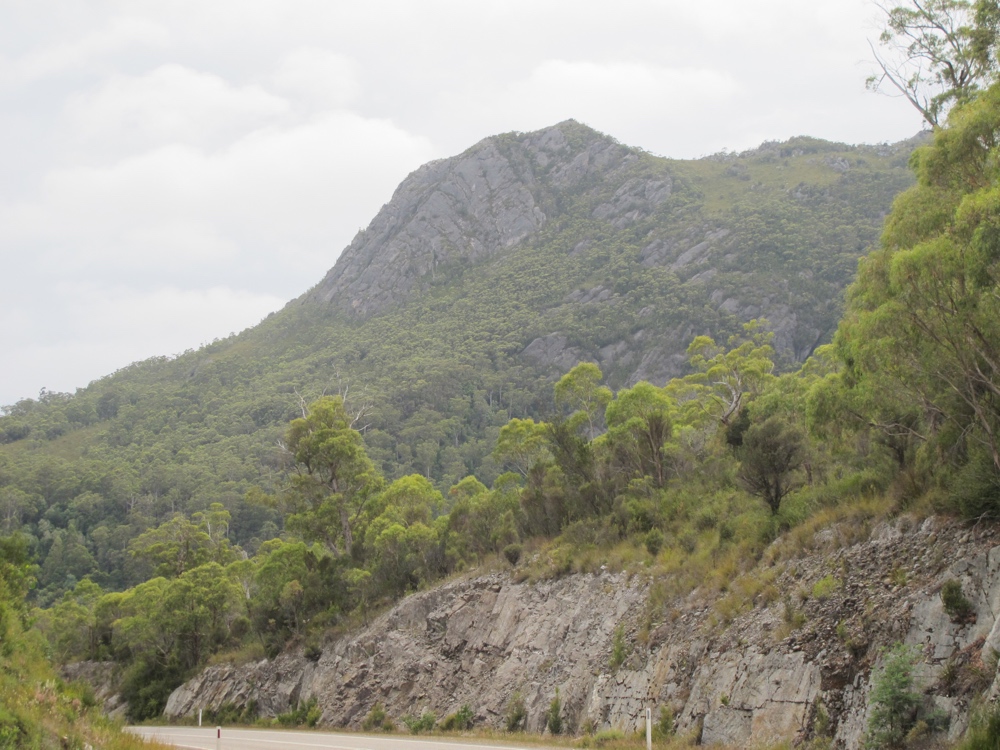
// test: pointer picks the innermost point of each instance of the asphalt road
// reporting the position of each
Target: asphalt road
(203, 738)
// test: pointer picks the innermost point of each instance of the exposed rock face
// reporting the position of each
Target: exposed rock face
(554, 351)
(101, 675)
(472, 642)
(478, 641)
(619, 240)
(469, 207)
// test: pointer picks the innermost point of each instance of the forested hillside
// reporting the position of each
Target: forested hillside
(486, 277)
(739, 387)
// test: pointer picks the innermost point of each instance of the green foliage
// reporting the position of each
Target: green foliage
(516, 715)
(520, 445)
(605, 737)
(893, 700)
(553, 716)
(619, 649)
(230, 713)
(181, 544)
(423, 723)
(377, 719)
(653, 541)
(444, 372)
(825, 587)
(725, 379)
(580, 393)
(956, 604)
(940, 53)
(306, 713)
(664, 726)
(984, 730)
(335, 480)
(460, 721)
(770, 453)
(925, 303)
(640, 424)
(513, 553)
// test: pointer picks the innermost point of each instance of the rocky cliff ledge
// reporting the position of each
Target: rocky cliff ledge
(798, 659)
(472, 206)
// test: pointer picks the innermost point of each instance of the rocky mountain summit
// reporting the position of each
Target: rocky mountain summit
(773, 233)
(793, 662)
(470, 207)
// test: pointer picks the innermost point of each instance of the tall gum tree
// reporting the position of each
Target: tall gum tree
(923, 316)
(334, 478)
(937, 53)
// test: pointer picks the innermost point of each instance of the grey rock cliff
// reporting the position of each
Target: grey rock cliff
(622, 243)
(755, 680)
(470, 207)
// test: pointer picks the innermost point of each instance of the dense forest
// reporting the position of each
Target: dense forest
(438, 375)
(276, 486)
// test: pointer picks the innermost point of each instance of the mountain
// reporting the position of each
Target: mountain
(773, 233)
(486, 276)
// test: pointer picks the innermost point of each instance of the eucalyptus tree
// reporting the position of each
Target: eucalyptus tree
(937, 53)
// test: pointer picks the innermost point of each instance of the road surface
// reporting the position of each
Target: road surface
(203, 738)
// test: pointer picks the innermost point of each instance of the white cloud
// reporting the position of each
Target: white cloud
(171, 104)
(320, 77)
(617, 93)
(117, 35)
(181, 208)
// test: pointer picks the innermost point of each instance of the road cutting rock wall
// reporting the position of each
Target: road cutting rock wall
(788, 667)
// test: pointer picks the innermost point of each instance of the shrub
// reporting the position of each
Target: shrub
(956, 605)
(461, 720)
(664, 727)
(307, 713)
(984, 730)
(653, 541)
(513, 553)
(516, 715)
(424, 723)
(825, 588)
(377, 719)
(618, 649)
(894, 702)
(606, 736)
(976, 488)
(553, 717)
(726, 532)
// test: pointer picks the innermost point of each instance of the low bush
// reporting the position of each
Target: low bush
(377, 720)
(825, 588)
(897, 711)
(553, 717)
(459, 721)
(305, 713)
(423, 723)
(619, 649)
(984, 730)
(516, 715)
(956, 605)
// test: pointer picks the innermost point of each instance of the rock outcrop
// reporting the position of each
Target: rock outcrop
(626, 238)
(798, 660)
(472, 206)
(103, 678)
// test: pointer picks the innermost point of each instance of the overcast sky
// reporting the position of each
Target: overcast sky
(174, 171)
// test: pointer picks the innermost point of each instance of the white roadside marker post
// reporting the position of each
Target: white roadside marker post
(218, 738)
(649, 729)
(199, 717)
